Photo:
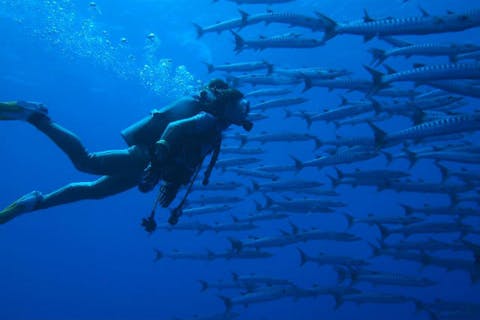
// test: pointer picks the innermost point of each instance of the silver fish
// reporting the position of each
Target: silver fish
(240, 66)
(276, 103)
(268, 92)
(290, 18)
(425, 24)
(425, 49)
(445, 126)
(289, 40)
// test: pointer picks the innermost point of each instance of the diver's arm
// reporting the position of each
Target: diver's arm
(177, 131)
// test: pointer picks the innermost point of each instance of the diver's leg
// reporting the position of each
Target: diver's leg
(129, 161)
(99, 189)
(114, 162)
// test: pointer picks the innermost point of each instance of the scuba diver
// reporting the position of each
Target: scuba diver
(169, 146)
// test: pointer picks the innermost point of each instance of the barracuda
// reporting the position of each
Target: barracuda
(426, 49)
(289, 40)
(372, 219)
(425, 24)
(445, 126)
(357, 153)
(348, 84)
(219, 27)
(268, 92)
(344, 112)
(262, 79)
(277, 103)
(312, 73)
(448, 71)
(290, 18)
(241, 66)
(467, 88)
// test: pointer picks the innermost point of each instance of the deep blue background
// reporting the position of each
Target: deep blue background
(92, 260)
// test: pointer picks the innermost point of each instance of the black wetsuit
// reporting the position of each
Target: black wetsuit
(191, 132)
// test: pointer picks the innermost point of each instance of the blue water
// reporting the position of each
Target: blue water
(92, 259)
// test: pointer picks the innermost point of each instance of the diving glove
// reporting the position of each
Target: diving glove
(150, 178)
(168, 192)
(153, 172)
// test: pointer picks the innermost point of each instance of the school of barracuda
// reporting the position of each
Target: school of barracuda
(444, 124)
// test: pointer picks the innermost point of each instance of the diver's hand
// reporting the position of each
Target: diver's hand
(168, 192)
(150, 178)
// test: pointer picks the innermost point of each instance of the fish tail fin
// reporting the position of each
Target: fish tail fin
(288, 113)
(350, 219)
(303, 256)
(269, 67)
(338, 300)
(307, 118)
(158, 255)
(307, 83)
(443, 170)
(375, 249)
(453, 199)
(239, 42)
(210, 67)
(377, 107)
(408, 209)
(341, 274)
(258, 206)
(268, 201)
(199, 30)
(330, 26)
(411, 156)
(335, 181)
(235, 276)
(204, 285)
(339, 172)
(378, 56)
(379, 134)
(377, 78)
(298, 163)
(388, 157)
(419, 306)
(383, 231)
(227, 302)
(236, 244)
(318, 142)
(243, 140)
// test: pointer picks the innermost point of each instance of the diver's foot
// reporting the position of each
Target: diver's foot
(22, 110)
(25, 204)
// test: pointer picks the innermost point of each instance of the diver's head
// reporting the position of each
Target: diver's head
(229, 103)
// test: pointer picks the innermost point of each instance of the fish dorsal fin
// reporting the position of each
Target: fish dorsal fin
(450, 12)
(344, 101)
(418, 65)
(424, 12)
(366, 16)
